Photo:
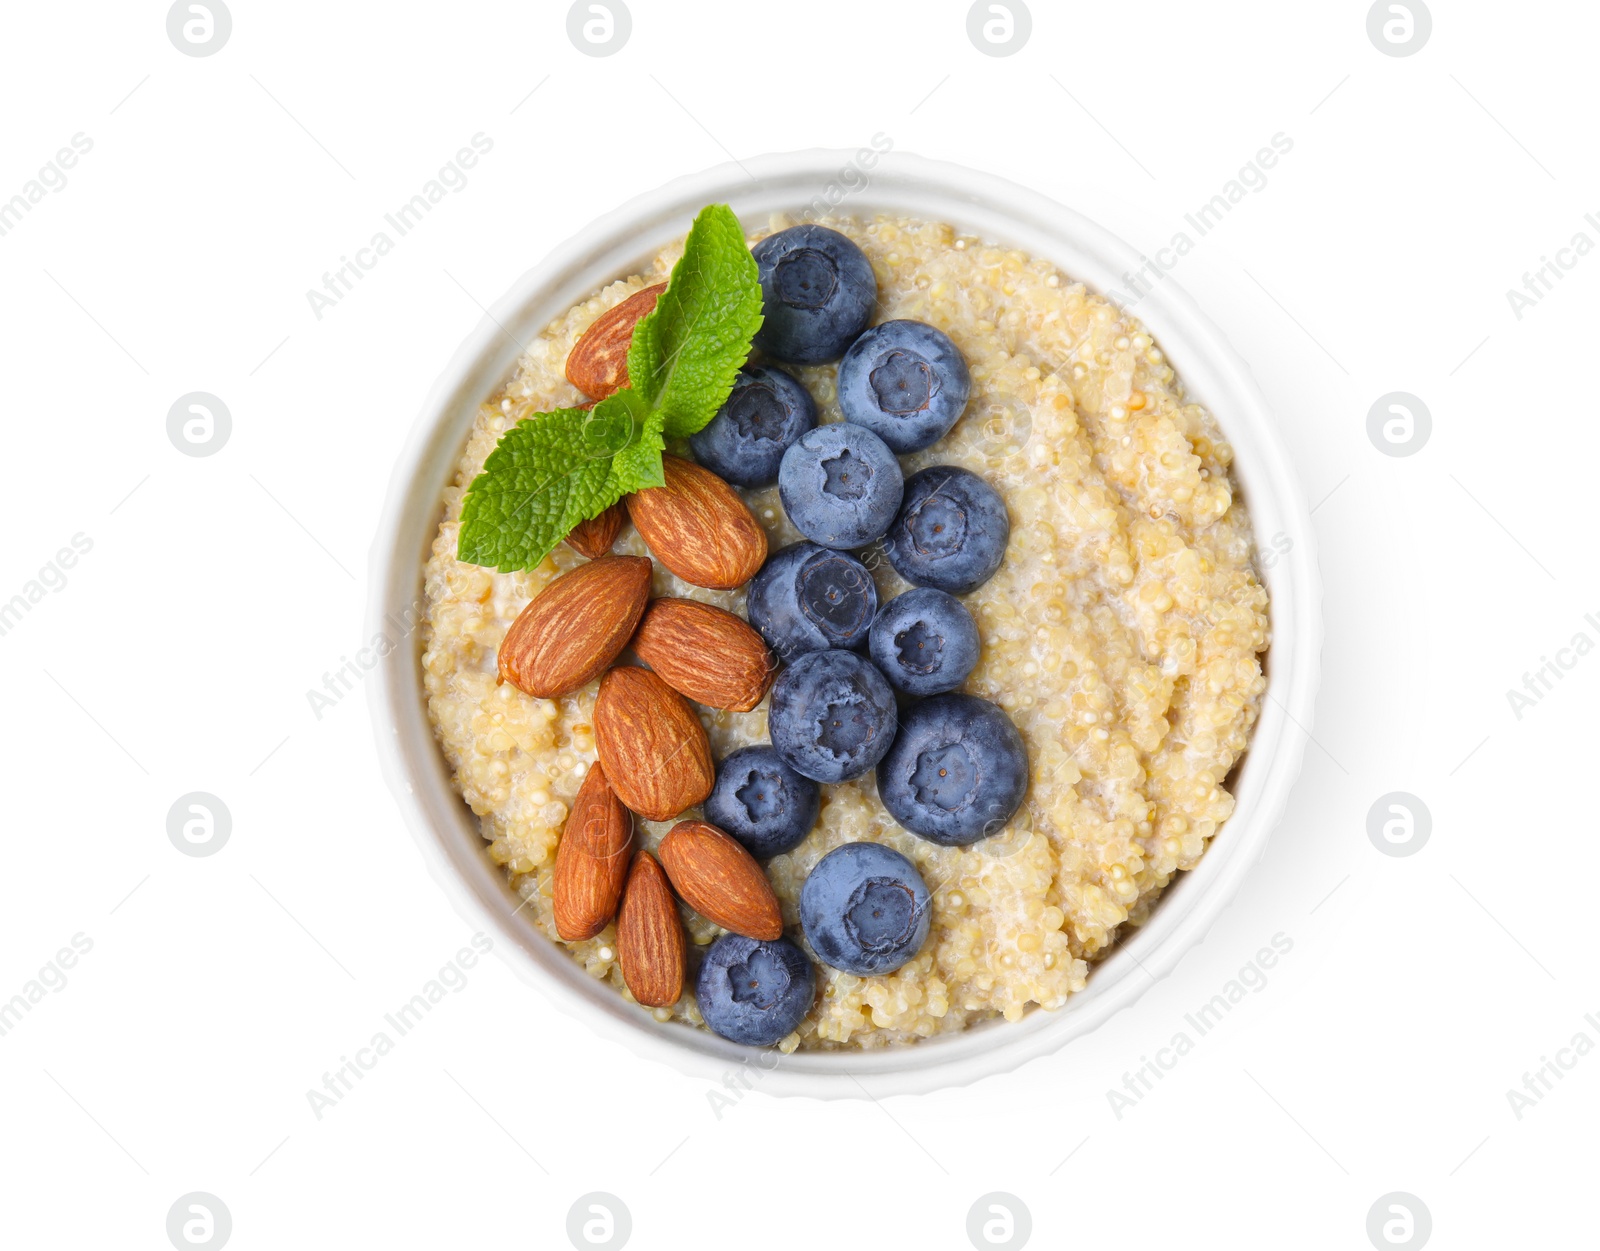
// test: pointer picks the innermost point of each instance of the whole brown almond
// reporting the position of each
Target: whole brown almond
(576, 626)
(591, 859)
(705, 653)
(698, 527)
(720, 880)
(650, 943)
(593, 538)
(653, 747)
(598, 362)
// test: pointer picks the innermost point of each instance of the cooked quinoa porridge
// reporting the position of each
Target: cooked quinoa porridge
(1122, 635)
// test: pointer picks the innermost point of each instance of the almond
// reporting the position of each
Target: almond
(593, 538)
(698, 527)
(720, 880)
(652, 745)
(592, 859)
(650, 935)
(598, 362)
(576, 626)
(705, 653)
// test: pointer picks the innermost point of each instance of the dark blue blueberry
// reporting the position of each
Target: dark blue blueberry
(817, 294)
(957, 771)
(808, 598)
(832, 716)
(752, 992)
(924, 641)
(765, 412)
(865, 909)
(762, 802)
(906, 382)
(951, 531)
(840, 485)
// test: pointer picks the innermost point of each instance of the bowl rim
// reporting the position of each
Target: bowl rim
(853, 182)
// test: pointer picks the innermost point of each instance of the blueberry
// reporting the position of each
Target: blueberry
(865, 909)
(753, 992)
(906, 382)
(951, 531)
(762, 802)
(832, 716)
(957, 771)
(817, 294)
(925, 641)
(765, 412)
(840, 485)
(807, 599)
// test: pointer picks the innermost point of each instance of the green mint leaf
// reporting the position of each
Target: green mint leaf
(548, 473)
(556, 469)
(637, 464)
(686, 353)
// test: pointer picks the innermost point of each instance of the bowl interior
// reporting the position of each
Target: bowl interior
(624, 242)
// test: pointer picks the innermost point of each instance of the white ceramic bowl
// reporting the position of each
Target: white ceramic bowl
(624, 242)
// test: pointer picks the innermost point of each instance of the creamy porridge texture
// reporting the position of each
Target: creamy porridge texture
(1121, 634)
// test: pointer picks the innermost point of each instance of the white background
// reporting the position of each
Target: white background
(218, 590)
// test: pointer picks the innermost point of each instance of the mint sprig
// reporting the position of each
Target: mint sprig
(544, 472)
(685, 354)
(553, 470)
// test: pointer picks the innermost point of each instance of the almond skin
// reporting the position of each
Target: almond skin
(698, 527)
(705, 653)
(591, 860)
(593, 538)
(650, 935)
(576, 626)
(598, 362)
(720, 880)
(653, 747)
